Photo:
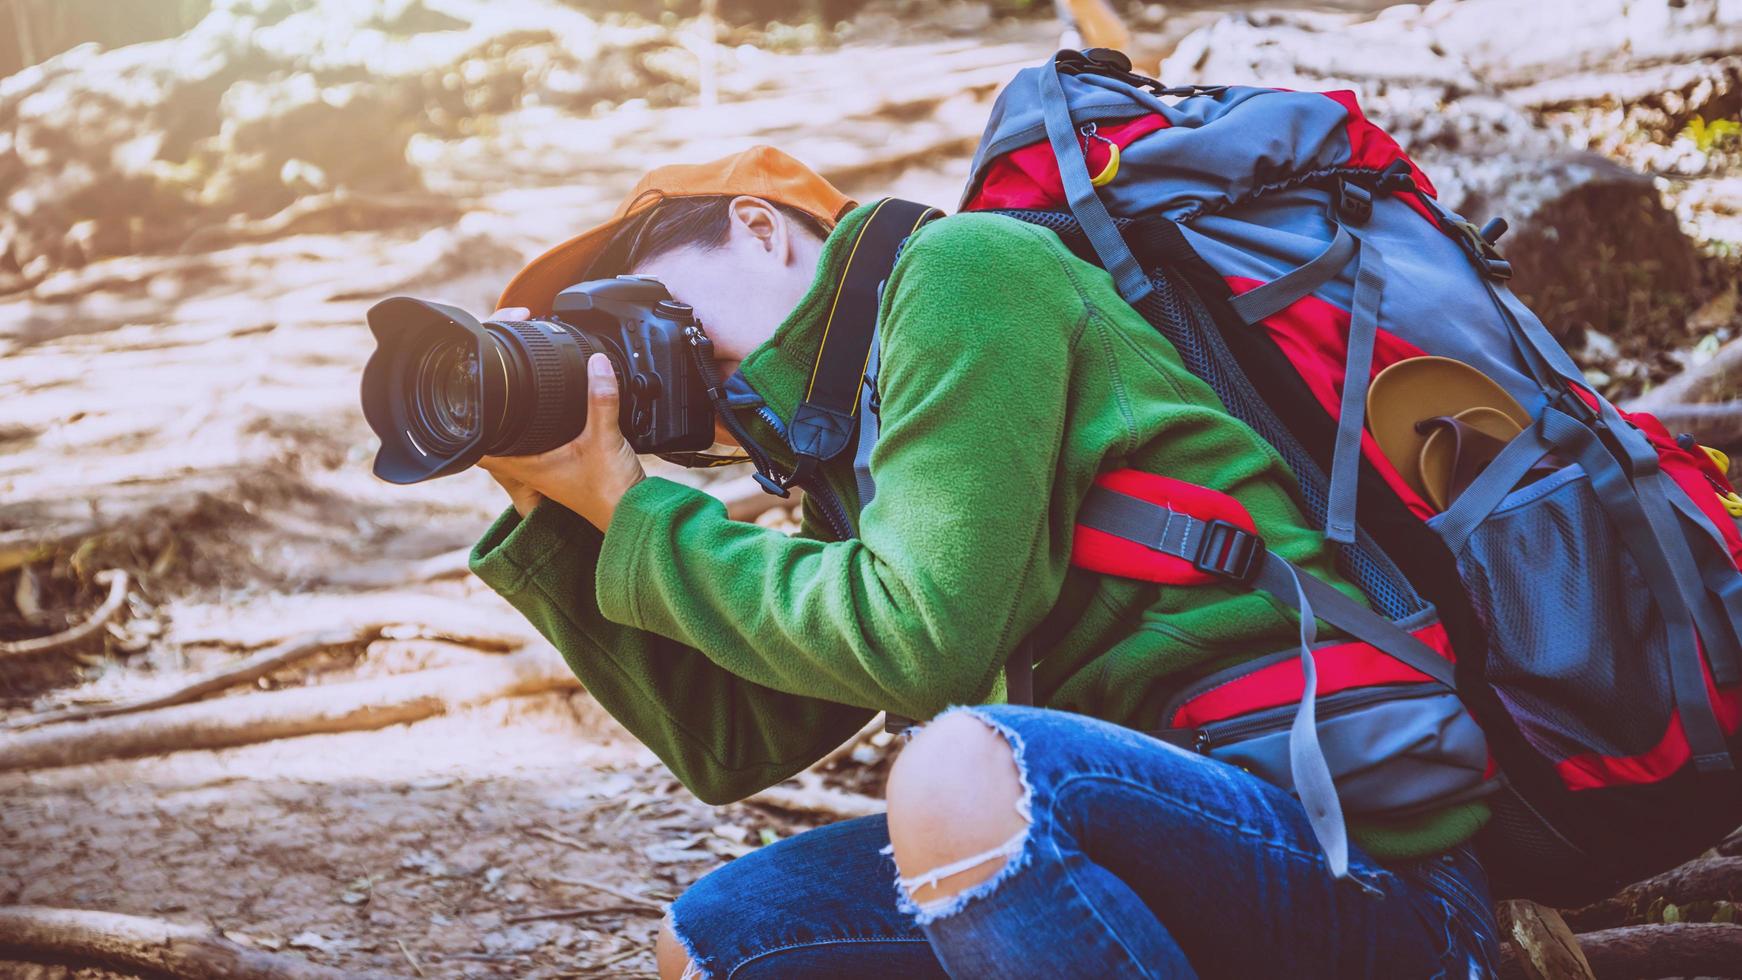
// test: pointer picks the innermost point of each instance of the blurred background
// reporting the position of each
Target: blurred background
(248, 691)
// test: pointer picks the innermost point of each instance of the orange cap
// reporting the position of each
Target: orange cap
(761, 171)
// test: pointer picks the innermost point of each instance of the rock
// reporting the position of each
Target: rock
(1593, 244)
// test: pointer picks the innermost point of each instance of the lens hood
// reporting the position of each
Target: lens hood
(405, 328)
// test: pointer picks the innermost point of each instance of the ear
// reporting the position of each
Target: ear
(762, 224)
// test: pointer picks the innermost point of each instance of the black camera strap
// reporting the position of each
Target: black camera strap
(823, 426)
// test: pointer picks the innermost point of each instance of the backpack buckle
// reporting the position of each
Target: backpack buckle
(1480, 248)
(1353, 203)
(1229, 551)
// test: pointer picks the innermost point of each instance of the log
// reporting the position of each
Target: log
(1731, 846)
(136, 944)
(250, 669)
(1546, 949)
(116, 580)
(1702, 879)
(1685, 949)
(355, 706)
(1713, 424)
(1099, 25)
(1690, 384)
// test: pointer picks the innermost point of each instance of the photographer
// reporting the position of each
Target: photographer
(1020, 841)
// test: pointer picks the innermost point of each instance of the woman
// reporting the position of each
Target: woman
(1045, 842)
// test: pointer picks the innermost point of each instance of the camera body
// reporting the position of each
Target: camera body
(663, 405)
(443, 390)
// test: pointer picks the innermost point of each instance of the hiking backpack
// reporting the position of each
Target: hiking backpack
(1587, 620)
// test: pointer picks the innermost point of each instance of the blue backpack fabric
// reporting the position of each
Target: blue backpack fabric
(1584, 588)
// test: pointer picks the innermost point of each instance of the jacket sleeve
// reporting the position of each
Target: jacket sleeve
(723, 736)
(955, 560)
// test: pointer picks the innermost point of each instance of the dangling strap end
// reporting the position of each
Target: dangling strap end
(1714, 762)
(768, 484)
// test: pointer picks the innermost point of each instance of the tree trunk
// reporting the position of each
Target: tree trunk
(356, 706)
(141, 945)
(1686, 949)
(1698, 880)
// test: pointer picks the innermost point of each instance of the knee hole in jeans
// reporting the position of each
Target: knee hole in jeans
(958, 811)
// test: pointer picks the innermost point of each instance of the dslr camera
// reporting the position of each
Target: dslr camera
(442, 389)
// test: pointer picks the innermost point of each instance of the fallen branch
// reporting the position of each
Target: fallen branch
(1689, 385)
(578, 914)
(117, 582)
(339, 210)
(1698, 880)
(415, 614)
(811, 796)
(253, 668)
(642, 902)
(355, 706)
(1546, 949)
(1712, 423)
(1731, 846)
(1685, 949)
(385, 574)
(135, 944)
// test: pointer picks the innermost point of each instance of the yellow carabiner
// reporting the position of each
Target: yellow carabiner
(1107, 173)
(1719, 459)
(1111, 170)
(1732, 503)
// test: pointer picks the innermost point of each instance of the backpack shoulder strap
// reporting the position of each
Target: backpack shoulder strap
(826, 419)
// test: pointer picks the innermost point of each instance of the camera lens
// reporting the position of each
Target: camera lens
(443, 389)
(448, 403)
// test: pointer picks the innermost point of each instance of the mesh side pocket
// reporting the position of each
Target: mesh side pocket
(1578, 648)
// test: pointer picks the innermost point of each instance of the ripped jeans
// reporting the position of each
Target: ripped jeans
(1140, 860)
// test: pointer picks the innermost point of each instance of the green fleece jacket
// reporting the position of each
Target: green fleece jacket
(1012, 374)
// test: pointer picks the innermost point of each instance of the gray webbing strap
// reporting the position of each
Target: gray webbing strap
(1351, 617)
(1717, 570)
(1542, 356)
(1086, 205)
(1278, 294)
(1496, 480)
(1357, 372)
(1623, 504)
(1532, 335)
(868, 427)
(1183, 536)
(1314, 785)
(1653, 491)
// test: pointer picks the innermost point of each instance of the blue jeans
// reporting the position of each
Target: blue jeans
(1140, 860)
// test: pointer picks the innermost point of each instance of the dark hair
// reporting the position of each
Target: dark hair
(683, 222)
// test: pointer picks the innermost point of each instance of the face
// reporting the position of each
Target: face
(744, 289)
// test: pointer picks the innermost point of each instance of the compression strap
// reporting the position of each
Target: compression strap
(825, 421)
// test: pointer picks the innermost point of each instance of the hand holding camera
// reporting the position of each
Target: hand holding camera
(589, 473)
(553, 407)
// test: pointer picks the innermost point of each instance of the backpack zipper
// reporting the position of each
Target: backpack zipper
(1281, 717)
